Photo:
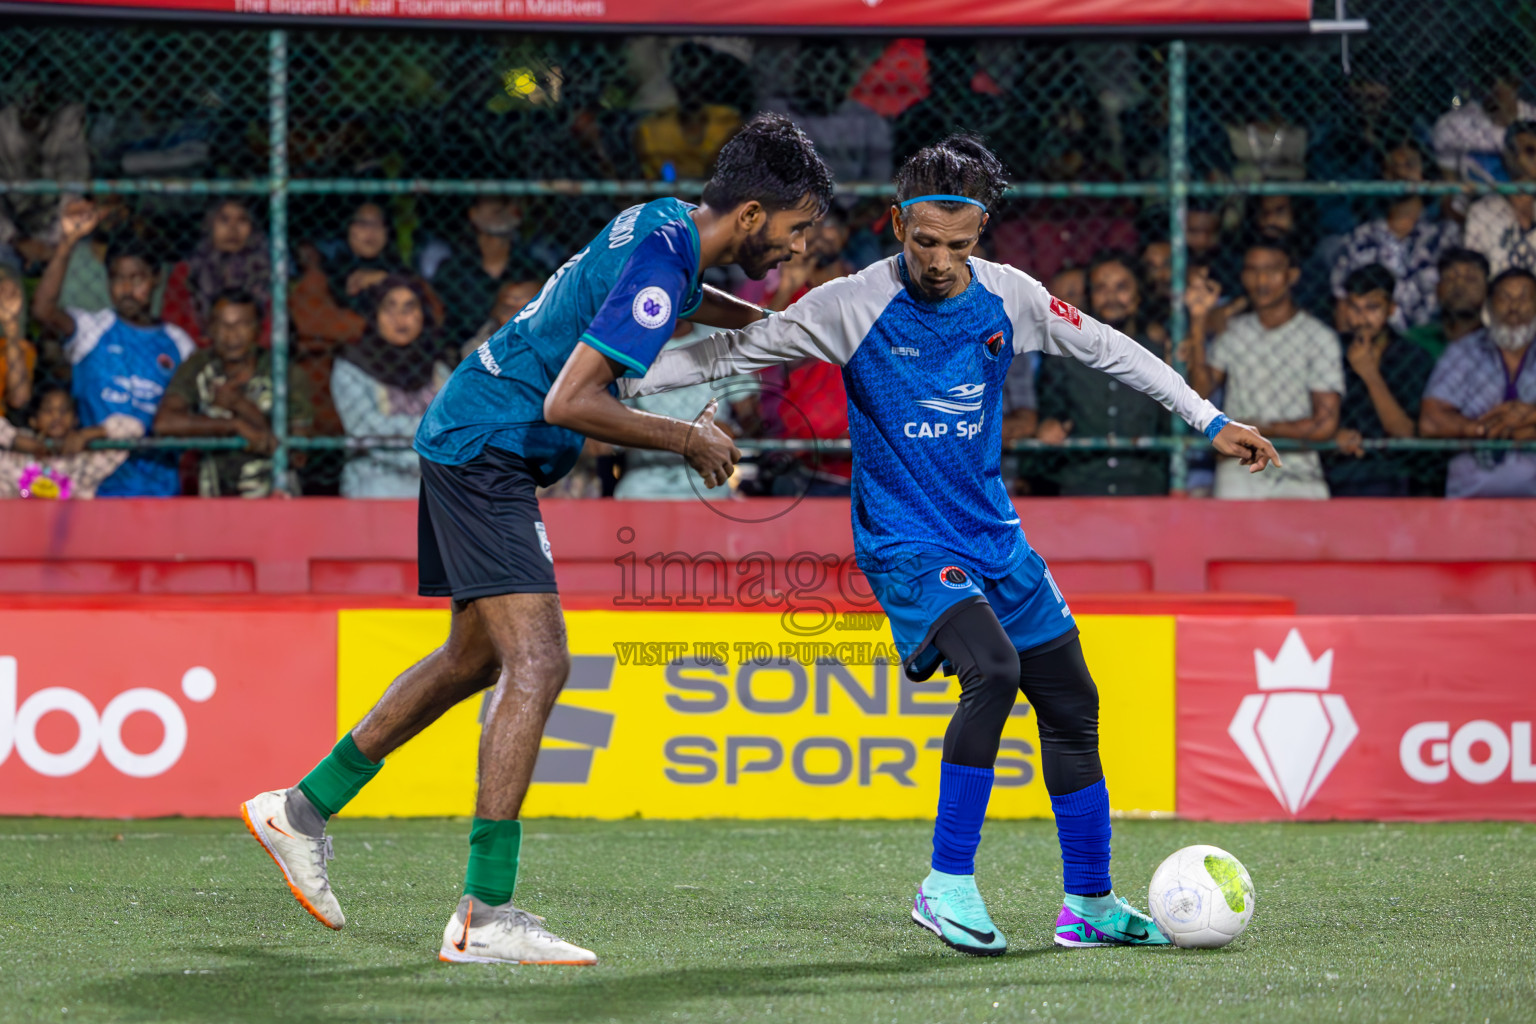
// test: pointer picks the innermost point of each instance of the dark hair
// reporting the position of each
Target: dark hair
(1457, 254)
(1515, 130)
(1117, 257)
(959, 165)
(223, 201)
(128, 247)
(1403, 139)
(416, 287)
(51, 389)
(1509, 275)
(773, 162)
(1373, 277)
(236, 297)
(1120, 256)
(1280, 245)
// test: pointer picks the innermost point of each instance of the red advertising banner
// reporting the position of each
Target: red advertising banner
(850, 14)
(142, 713)
(1408, 717)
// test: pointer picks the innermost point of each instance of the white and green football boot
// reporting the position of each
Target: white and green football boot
(1105, 921)
(956, 913)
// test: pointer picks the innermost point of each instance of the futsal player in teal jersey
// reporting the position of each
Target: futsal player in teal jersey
(512, 418)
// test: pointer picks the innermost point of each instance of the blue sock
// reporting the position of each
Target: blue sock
(963, 795)
(1082, 826)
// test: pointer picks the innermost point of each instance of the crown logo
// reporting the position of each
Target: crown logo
(1293, 668)
(1292, 733)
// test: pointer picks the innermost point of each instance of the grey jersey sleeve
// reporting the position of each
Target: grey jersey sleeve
(1044, 324)
(828, 323)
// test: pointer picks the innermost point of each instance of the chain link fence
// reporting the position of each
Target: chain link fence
(329, 219)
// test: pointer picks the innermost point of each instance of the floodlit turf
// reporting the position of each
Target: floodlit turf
(188, 921)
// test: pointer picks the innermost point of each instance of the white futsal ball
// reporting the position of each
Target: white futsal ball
(1201, 897)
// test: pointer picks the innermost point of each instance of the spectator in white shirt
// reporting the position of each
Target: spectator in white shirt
(1282, 367)
(1469, 138)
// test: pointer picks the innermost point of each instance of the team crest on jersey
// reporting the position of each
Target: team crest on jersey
(994, 344)
(165, 362)
(954, 577)
(652, 307)
(1067, 312)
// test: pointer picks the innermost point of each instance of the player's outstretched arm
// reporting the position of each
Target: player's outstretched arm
(1056, 328)
(579, 400)
(726, 311)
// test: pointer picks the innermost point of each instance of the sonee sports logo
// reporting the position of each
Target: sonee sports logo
(103, 732)
(954, 577)
(1293, 733)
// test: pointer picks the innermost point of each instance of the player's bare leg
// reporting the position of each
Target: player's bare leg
(290, 823)
(466, 664)
(528, 632)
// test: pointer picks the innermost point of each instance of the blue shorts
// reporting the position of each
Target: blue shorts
(922, 595)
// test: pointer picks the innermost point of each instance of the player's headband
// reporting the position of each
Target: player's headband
(947, 199)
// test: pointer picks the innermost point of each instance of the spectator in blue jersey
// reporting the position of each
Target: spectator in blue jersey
(926, 340)
(122, 357)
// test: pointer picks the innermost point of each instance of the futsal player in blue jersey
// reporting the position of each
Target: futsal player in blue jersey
(513, 417)
(925, 339)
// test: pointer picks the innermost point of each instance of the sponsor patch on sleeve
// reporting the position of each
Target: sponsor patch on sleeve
(1067, 312)
(652, 307)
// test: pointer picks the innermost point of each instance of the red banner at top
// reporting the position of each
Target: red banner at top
(853, 15)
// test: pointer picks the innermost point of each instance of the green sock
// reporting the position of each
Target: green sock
(339, 777)
(493, 850)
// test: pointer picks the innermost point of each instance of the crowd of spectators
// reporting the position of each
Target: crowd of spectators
(1316, 320)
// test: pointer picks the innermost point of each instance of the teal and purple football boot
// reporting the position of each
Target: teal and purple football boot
(1105, 921)
(958, 916)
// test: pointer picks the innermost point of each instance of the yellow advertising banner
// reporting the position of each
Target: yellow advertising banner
(730, 715)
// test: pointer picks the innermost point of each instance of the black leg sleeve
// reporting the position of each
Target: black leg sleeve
(1066, 703)
(975, 643)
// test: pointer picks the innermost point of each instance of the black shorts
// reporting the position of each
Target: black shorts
(478, 530)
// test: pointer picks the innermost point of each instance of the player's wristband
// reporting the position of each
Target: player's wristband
(1214, 427)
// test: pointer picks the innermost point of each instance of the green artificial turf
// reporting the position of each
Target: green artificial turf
(188, 921)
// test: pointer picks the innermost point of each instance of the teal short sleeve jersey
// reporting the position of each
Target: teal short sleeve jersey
(622, 294)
